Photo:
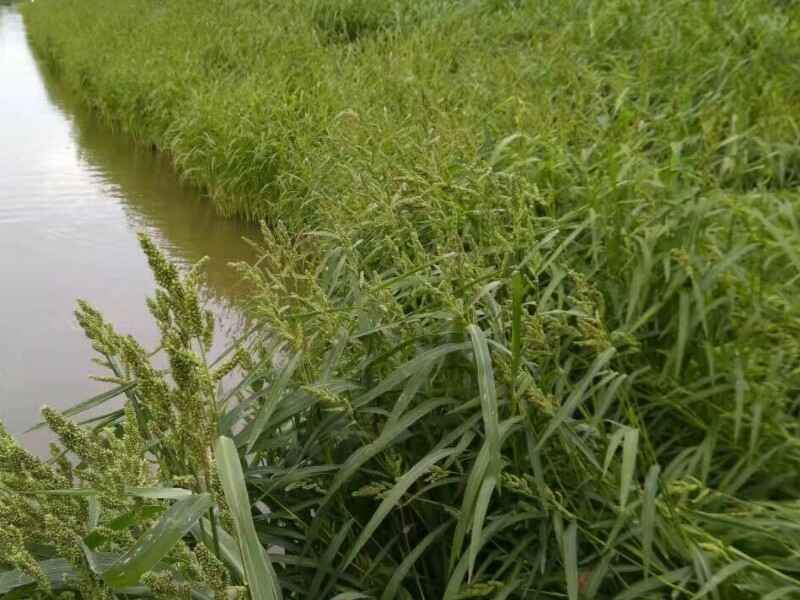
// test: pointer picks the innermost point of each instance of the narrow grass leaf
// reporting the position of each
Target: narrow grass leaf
(630, 447)
(789, 590)
(406, 370)
(59, 572)
(649, 513)
(571, 560)
(719, 577)
(683, 332)
(481, 509)
(157, 542)
(614, 443)
(156, 493)
(392, 499)
(645, 586)
(488, 395)
(91, 403)
(272, 399)
(261, 578)
(229, 549)
(326, 561)
(390, 592)
(392, 430)
(576, 397)
(740, 387)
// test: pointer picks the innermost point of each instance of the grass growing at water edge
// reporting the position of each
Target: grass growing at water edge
(530, 281)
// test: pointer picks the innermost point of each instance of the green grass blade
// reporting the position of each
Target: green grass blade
(59, 572)
(788, 591)
(649, 513)
(683, 332)
(488, 395)
(403, 372)
(645, 586)
(157, 542)
(163, 493)
(571, 560)
(90, 403)
(390, 592)
(613, 444)
(474, 484)
(740, 389)
(630, 447)
(261, 579)
(326, 561)
(481, 509)
(719, 577)
(392, 499)
(272, 399)
(229, 549)
(392, 430)
(576, 397)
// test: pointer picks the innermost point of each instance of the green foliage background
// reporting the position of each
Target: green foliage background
(526, 317)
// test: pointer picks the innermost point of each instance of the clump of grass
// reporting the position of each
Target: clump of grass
(577, 423)
(299, 111)
(529, 275)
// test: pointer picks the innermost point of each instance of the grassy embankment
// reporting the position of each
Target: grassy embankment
(546, 340)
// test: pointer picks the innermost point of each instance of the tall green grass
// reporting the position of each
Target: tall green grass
(527, 306)
(317, 111)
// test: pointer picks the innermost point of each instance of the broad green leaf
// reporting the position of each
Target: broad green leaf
(157, 542)
(261, 578)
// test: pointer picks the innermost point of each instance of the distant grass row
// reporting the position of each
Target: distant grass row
(322, 109)
(530, 297)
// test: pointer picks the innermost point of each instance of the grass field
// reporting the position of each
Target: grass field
(529, 305)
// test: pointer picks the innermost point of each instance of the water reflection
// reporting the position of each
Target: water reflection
(72, 196)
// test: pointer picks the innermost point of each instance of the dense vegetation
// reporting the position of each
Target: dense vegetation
(527, 314)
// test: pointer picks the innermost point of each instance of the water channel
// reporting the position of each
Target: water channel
(73, 195)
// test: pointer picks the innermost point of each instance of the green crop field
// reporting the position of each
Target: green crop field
(526, 325)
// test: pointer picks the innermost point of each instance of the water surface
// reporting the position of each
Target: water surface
(72, 197)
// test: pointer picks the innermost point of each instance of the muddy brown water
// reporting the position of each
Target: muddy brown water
(73, 195)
